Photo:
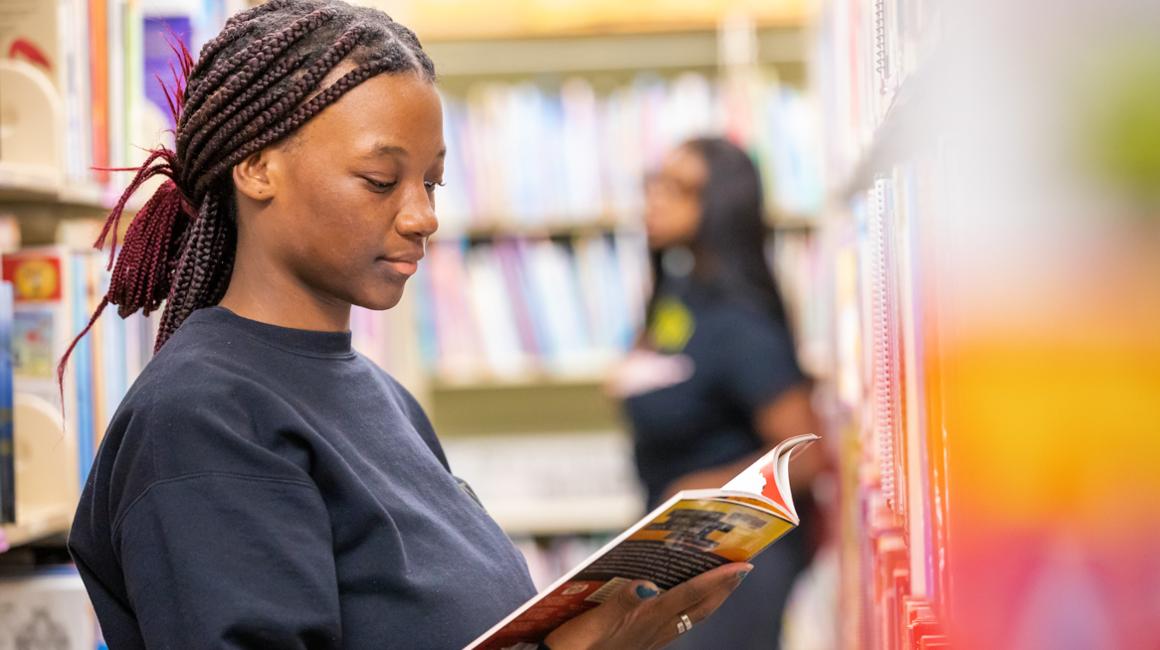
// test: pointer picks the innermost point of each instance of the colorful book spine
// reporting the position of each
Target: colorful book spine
(7, 440)
(82, 360)
(519, 305)
(98, 12)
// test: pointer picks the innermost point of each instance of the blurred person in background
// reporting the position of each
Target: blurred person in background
(712, 381)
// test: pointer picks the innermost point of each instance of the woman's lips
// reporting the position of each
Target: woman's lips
(406, 266)
(403, 267)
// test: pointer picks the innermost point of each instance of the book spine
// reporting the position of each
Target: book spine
(82, 363)
(116, 87)
(98, 57)
(546, 343)
(7, 440)
(508, 257)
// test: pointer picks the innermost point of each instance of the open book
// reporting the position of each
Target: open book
(691, 533)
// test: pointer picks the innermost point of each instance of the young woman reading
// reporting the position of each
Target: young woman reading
(263, 485)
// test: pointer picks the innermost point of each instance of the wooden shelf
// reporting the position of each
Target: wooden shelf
(436, 20)
(27, 185)
(500, 228)
(569, 515)
(35, 186)
(533, 404)
(793, 223)
(34, 527)
(604, 52)
(446, 382)
(18, 185)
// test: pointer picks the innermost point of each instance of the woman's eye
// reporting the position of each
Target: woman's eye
(378, 186)
(431, 185)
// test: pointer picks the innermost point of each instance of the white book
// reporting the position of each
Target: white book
(493, 312)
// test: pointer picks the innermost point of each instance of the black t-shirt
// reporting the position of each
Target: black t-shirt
(739, 358)
(264, 487)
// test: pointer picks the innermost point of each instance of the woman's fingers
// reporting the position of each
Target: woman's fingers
(608, 625)
(618, 611)
(639, 616)
(703, 594)
(631, 596)
(696, 599)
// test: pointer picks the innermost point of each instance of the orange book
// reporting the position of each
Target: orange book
(99, 85)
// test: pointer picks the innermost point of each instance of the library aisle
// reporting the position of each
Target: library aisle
(961, 219)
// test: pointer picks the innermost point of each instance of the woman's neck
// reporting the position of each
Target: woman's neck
(266, 292)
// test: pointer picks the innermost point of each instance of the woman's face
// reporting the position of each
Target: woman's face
(673, 199)
(353, 192)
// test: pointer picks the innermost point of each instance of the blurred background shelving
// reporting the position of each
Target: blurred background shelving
(930, 174)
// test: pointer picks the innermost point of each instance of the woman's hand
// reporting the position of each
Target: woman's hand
(637, 617)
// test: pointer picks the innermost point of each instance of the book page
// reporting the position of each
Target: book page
(769, 475)
(682, 539)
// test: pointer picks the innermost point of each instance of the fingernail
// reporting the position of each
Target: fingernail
(644, 592)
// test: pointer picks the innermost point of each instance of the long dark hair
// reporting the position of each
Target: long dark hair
(256, 83)
(730, 244)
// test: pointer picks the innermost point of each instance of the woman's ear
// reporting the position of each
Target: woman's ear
(253, 178)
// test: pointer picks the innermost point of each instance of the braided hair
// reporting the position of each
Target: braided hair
(253, 85)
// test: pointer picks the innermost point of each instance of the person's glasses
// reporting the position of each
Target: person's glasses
(671, 185)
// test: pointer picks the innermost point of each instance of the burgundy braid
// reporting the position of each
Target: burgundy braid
(253, 85)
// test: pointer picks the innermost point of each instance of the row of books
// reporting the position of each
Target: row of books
(513, 306)
(971, 517)
(882, 301)
(54, 291)
(521, 154)
(866, 52)
(83, 84)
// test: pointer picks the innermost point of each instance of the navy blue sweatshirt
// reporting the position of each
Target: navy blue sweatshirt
(264, 487)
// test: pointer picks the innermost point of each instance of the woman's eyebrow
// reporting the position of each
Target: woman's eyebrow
(383, 149)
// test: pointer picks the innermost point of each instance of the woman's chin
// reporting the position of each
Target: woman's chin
(382, 300)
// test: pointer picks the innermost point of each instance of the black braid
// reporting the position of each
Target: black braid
(254, 98)
(253, 85)
(255, 118)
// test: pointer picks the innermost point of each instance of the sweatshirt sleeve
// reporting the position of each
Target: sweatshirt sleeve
(221, 560)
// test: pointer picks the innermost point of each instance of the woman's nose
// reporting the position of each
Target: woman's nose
(417, 218)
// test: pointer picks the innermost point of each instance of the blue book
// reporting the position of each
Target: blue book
(7, 442)
(83, 362)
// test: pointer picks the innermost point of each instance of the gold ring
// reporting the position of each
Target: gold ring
(684, 625)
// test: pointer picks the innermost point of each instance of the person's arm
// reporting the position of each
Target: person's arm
(219, 560)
